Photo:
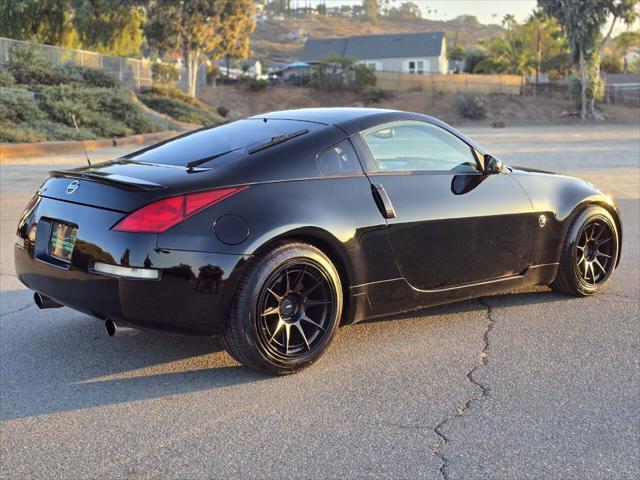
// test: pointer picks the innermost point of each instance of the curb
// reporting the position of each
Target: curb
(9, 151)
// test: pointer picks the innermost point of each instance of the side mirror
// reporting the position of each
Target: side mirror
(492, 165)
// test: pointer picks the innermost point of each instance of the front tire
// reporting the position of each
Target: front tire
(589, 254)
(285, 311)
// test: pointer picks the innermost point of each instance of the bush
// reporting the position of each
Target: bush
(164, 73)
(18, 108)
(19, 135)
(222, 111)
(6, 78)
(255, 84)
(91, 77)
(170, 91)
(105, 112)
(180, 111)
(341, 73)
(470, 105)
(375, 95)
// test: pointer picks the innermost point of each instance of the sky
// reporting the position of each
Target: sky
(487, 11)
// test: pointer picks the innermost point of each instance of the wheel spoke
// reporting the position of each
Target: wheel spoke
(600, 254)
(305, 318)
(593, 272)
(288, 337)
(600, 242)
(275, 332)
(311, 289)
(597, 262)
(297, 285)
(270, 311)
(304, 336)
(315, 303)
(287, 287)
(581, 248)
(275, 295)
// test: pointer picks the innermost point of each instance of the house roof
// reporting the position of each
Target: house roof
(362, 47)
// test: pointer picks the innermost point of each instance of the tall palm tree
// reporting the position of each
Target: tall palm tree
(509, 22)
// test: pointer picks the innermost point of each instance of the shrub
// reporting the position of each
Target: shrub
(470, 105)
(19, 135)
(164, 73)
(255, 84)
(91, 77)
(222, 111)
(170, 91)
(103, 111)
(341, 73)
(180, 111)
(18, 108)
(6, 78)
(375, 95)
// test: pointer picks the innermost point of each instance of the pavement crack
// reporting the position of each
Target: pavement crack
(17, 310)
(466, 405)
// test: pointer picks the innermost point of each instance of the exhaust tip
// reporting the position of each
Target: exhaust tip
(110, 327)
(38, 299)
(44, 302)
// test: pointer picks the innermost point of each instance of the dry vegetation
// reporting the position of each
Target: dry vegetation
(511, 109)
(282, 40)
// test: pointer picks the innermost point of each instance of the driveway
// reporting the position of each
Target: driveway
(526, 385)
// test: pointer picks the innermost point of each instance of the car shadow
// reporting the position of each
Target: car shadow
(60, 360)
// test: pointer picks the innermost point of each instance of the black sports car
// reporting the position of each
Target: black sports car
(273, 230)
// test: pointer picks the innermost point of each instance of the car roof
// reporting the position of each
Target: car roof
(354, 119)
(327, 116)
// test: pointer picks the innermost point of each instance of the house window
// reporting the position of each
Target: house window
(412, 67)
(420, 67)
(372, 66)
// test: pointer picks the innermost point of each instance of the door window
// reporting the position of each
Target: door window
(411, 146)
(412, 67)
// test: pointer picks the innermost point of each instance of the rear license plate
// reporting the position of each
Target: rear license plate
(63, 238)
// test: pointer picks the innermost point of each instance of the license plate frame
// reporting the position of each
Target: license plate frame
(62, 241)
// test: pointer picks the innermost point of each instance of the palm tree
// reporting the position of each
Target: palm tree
(539, 20)
(509, 22)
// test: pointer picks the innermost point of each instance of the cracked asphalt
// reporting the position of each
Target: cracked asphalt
(529, 384)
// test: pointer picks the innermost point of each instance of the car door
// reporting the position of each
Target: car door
(449, 224)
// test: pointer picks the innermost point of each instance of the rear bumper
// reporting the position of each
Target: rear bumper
(192, 294)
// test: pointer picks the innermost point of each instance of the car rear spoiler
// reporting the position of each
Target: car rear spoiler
(121, 181)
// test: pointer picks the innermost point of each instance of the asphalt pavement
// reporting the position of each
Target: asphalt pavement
(530, 384)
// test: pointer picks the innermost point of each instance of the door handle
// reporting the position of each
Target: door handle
(383, 201)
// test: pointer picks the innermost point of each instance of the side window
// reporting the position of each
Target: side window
(417, 146)
(340, 159)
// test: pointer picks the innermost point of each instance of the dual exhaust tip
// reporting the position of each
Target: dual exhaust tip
(112, 329)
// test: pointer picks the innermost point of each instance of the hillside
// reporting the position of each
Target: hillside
(282, 40)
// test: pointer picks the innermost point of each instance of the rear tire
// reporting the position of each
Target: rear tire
(589, 254)
(285, 311)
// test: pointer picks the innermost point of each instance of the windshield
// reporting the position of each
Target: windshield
(204, 143)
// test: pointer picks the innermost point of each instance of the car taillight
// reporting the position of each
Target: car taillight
(160, 216)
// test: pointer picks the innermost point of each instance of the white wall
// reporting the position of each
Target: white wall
(431, 64)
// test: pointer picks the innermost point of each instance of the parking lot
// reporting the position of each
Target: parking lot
(526, 385)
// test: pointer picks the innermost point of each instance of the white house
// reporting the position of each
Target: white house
(416, 53)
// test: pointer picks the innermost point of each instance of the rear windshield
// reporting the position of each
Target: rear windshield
(237, 136)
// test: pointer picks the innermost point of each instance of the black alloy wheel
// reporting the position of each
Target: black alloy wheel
(286, 309)
(594, 252)
(294, 309)
(589, 254)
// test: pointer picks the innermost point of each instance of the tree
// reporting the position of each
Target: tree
(456, 53)
(625, 43)
(44, 21)
(407, 11)
(201, 29)
(109, 26)
(370, 10)
(509, 22)
(583, 21)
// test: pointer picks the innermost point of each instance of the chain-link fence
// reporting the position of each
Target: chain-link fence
(130, 71)
(624, 94)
